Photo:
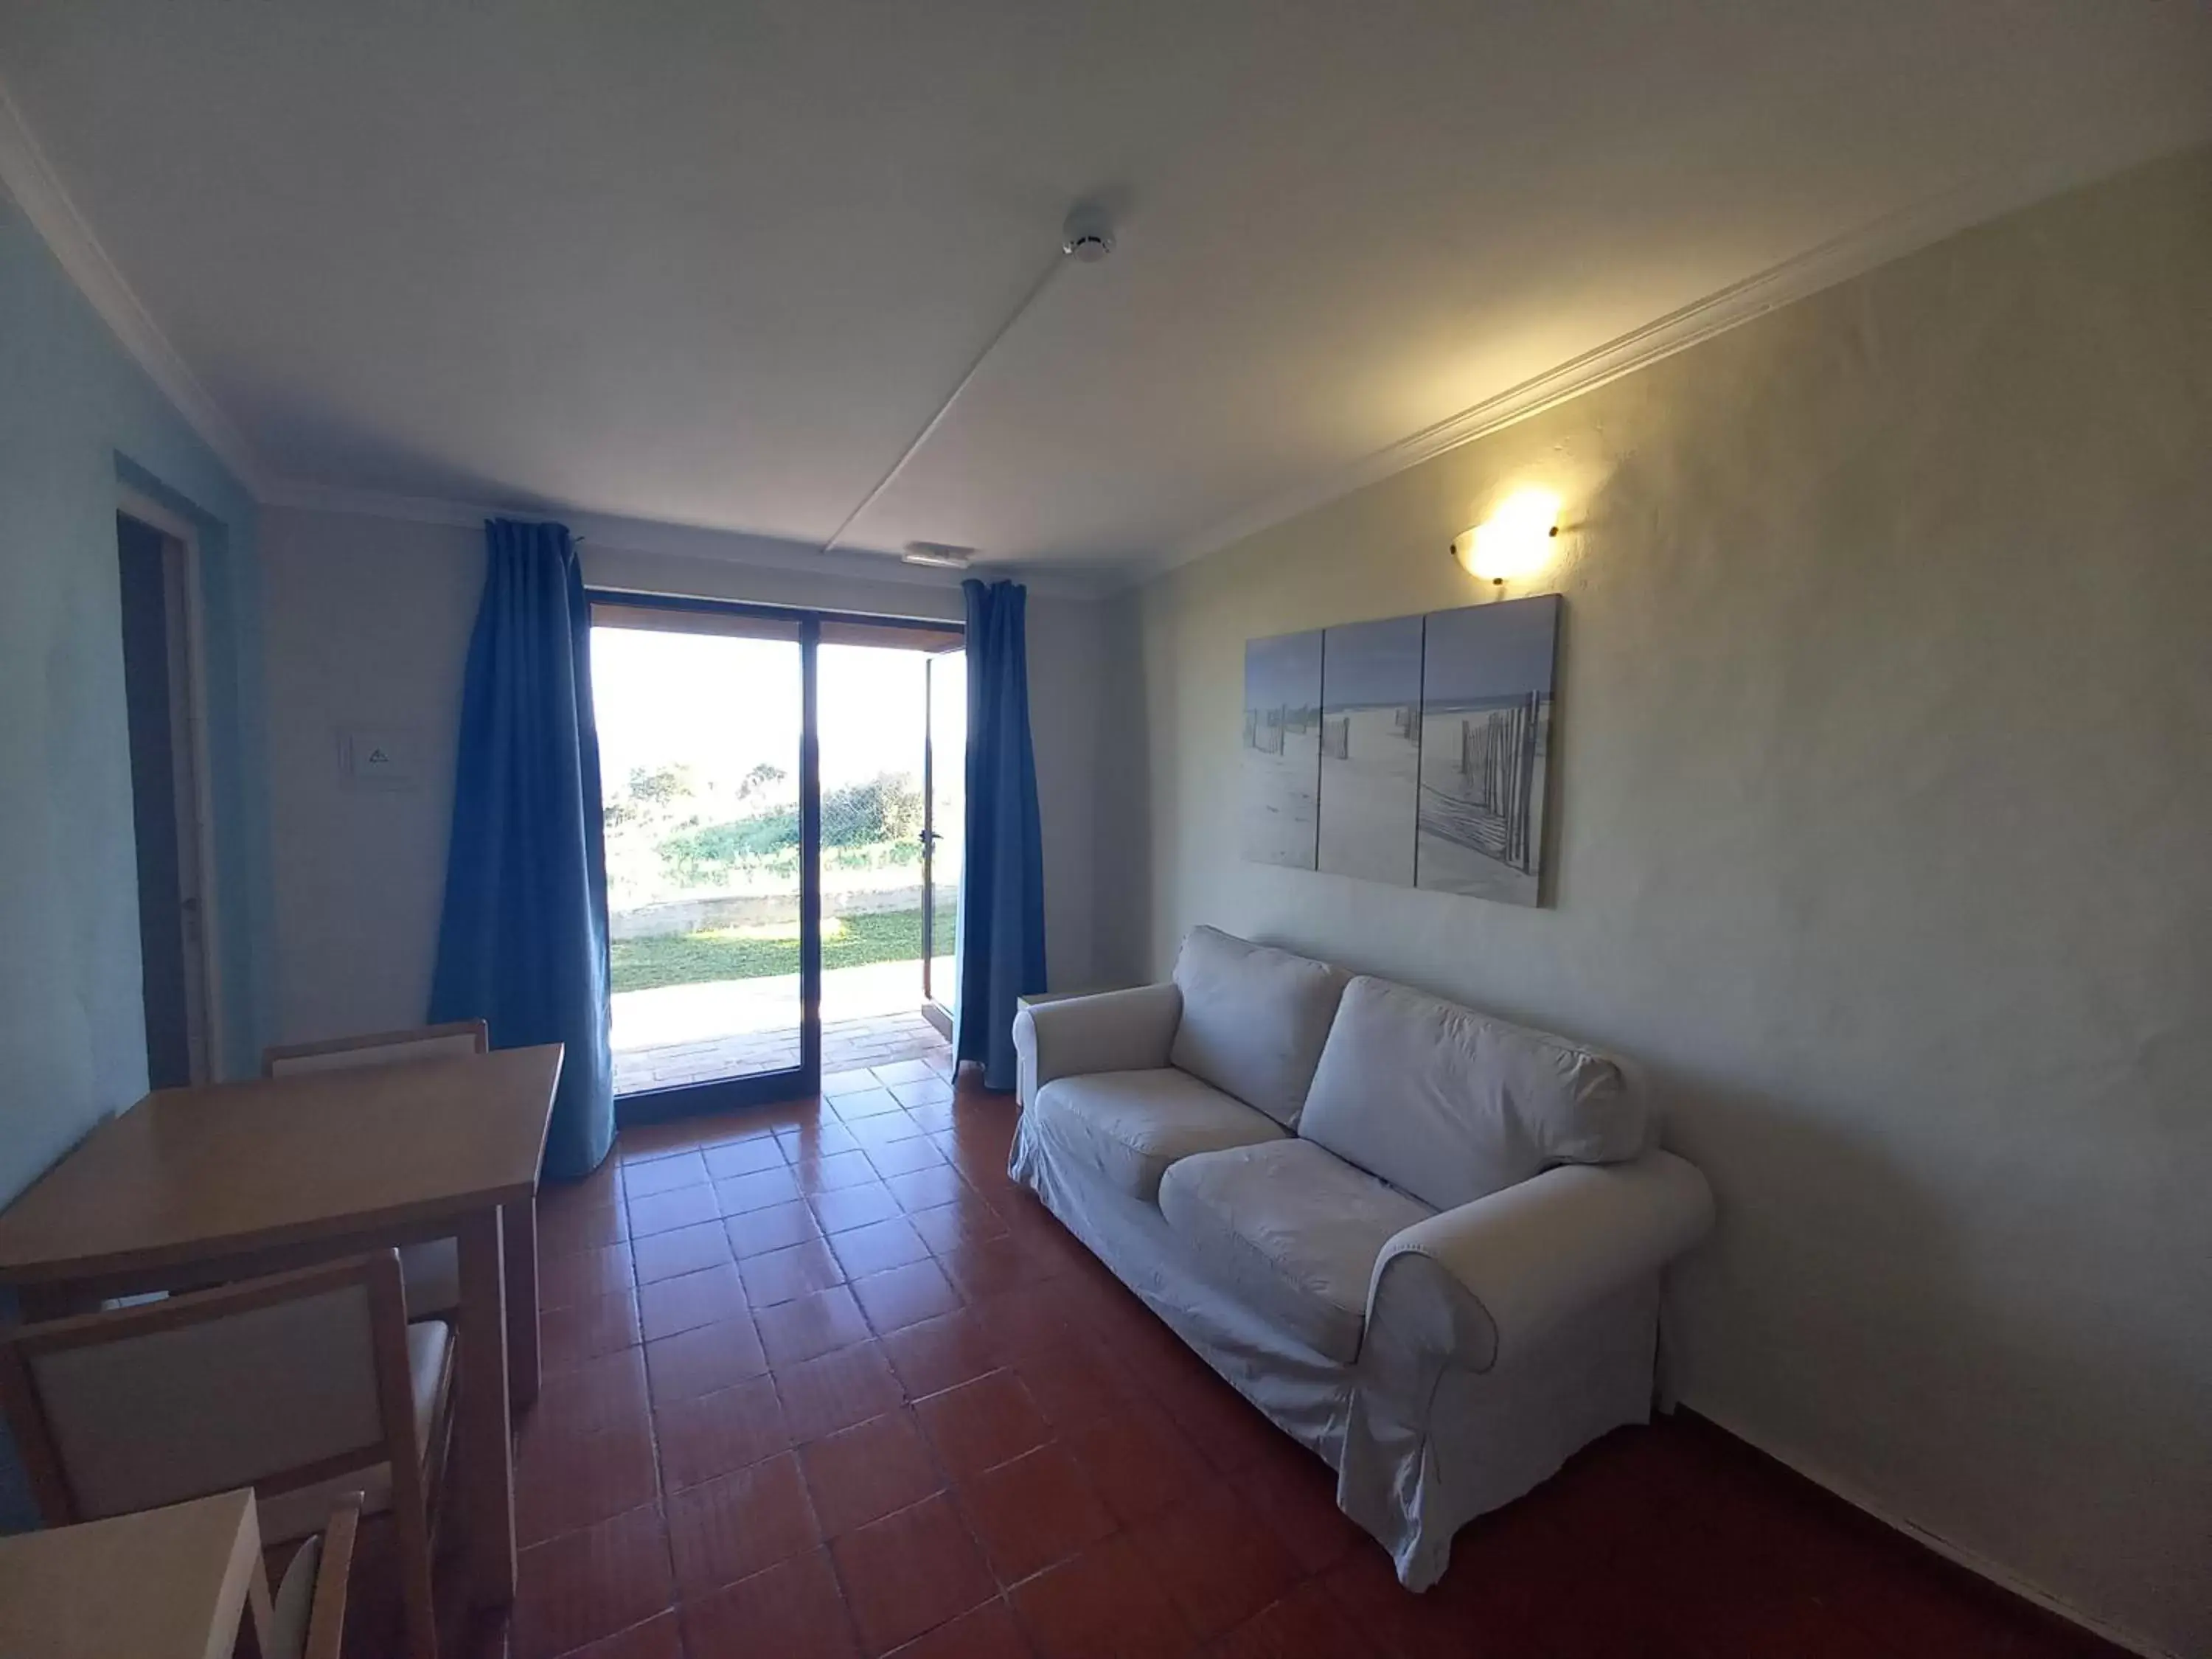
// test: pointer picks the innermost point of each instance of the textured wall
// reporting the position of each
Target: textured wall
(1883, 779)
(77, 418)
(369, 625)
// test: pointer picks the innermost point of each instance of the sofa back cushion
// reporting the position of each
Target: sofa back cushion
(1254, 1019)
(1451, 1105)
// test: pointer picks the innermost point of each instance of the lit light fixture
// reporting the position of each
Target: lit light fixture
(1515, 541)
(941, 555)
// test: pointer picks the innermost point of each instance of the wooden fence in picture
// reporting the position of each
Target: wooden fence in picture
(1493, 809)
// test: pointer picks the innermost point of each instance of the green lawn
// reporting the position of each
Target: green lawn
(646, 965)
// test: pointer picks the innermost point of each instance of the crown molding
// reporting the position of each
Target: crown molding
(29, 178)
(669, 539)
(1986, 196)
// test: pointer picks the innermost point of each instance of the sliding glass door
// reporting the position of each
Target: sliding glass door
(766, 778)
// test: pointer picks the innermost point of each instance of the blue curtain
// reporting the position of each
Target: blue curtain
(523, 941)
(1002, 881)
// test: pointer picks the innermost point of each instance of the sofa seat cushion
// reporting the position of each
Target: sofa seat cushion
(1130, 1126)
(1293, 1231)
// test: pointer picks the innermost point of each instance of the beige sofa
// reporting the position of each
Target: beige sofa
(1426, 1243)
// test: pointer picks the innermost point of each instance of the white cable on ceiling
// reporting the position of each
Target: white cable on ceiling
(1085, 237)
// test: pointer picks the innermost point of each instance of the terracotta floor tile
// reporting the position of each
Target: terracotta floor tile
(741, 1158)
(835, 1172)
(564, 1482)
(591, 1397)
(1221, 1424)
(584, 1227)
(583, 1276)
(1074, 1387)
(657, 1638)
(719, 1433)
(825, 1137)
(569, 1336)
(868, 1472)
(684, 1250)
(810, 1325)
(761, 1190)
(702, 1361)
(664, 1212)
(1105, 1604)
(666, 1307)
(987, 1268)
(786, 1275)
(922, 1092)
(853, 1206)
(927, 1189)
(865, 1105)
(910, 1573)
(886, 1129)
(990, 1632)
(585, 1585)
(836, 1390)
(982, 1424)
(777, 1228)
(1217, 1559)
(1039, 1508)
(794, 1610)
(878, 1246)
(1142, 1463)
(906, 1296)
(941, 1353)
(859, 1082)
(1307, 1624)
(904, 1071)
(672, 1171)
(734, 1526)
(946, 1227)
(905, 1157)
(1295, 1494)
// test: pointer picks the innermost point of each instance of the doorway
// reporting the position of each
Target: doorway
(782, 844)
(155, 560)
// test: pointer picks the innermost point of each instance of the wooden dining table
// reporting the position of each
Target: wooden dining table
(177, 1583)
(227, 1181)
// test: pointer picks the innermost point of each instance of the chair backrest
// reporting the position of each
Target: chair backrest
(272, 1382)
(455, 1037)
(308, 1618)
(1254, 1019)
(1452, 1105)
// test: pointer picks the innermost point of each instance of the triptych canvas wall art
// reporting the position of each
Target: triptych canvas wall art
(1411, 750)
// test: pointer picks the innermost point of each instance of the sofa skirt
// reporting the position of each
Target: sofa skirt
(1420, 1446)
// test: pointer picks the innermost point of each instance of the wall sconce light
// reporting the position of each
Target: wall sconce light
(1515, 541)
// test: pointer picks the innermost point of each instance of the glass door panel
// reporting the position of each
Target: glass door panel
(947, 809)
(702, 718)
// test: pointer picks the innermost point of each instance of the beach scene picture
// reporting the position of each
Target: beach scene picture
(1485, 742)
(1370, 749)
(1281, 760)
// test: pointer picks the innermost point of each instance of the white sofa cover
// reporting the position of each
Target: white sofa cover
(1425, 1243)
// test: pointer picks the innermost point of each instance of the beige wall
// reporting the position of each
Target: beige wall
(367, 624)
(1883, 787)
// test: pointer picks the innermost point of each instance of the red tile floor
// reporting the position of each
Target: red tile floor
(820, 1380)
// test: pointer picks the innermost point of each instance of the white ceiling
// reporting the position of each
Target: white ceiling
(715, 265)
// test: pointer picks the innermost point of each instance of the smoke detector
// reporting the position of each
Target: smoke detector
(942, 555)
(1087, 235)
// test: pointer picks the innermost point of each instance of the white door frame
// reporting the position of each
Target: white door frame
(182, 570)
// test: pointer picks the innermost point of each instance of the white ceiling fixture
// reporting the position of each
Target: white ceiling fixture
(716, 266)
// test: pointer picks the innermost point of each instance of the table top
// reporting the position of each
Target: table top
(167, 1584)
(192, 1173)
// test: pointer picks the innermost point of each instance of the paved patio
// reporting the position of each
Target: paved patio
(683, 1034)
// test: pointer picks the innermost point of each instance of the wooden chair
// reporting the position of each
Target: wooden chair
(307, 1386)
(307, 1620)
(432, 1271)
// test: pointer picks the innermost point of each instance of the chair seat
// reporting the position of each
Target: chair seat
(1132, 1126)
(1293, 1231)
(431, 1275)
(294, 1514)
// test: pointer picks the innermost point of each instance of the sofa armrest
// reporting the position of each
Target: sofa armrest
(1114, 1032)
(1488, 1281)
